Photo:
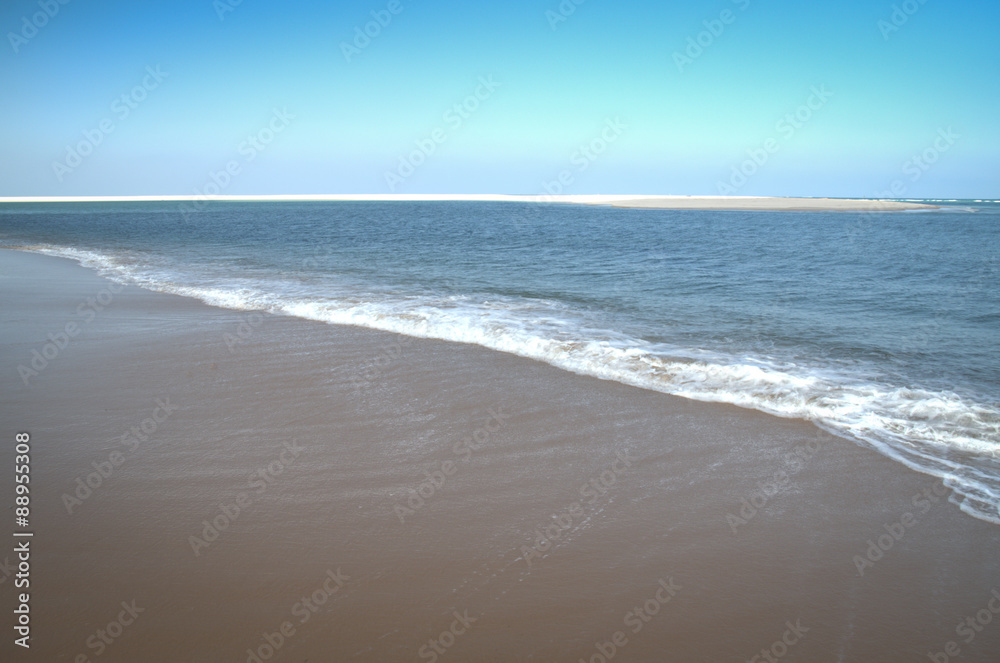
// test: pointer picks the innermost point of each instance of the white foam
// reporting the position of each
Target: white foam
(935, 432)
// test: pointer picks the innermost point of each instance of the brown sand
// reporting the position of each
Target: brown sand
(367, 436)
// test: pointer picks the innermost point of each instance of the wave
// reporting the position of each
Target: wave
(936, 432)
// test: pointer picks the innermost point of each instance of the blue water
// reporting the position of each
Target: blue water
(882, 328)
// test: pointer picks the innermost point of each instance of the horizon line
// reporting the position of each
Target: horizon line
(415, 197)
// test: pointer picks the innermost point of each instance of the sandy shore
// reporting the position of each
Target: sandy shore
(262, 483)
(759, 203)
(751, 203)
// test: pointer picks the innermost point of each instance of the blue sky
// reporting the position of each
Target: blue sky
(608, 97)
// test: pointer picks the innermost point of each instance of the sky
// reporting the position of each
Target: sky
(738, 97)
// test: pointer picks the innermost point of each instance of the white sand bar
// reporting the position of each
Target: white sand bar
(634, 201)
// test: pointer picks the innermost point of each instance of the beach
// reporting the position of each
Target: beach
(232, 485)
(667, 202)
(749, 203)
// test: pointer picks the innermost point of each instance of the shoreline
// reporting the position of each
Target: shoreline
(413, 479)
(675, 202)
(830, 419)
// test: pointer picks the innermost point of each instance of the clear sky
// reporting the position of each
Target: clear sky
(161, 97)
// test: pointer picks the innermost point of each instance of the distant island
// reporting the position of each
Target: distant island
(761, 203)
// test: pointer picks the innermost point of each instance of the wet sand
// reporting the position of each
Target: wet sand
(390, 491)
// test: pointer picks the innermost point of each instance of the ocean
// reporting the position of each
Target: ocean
(882, 328)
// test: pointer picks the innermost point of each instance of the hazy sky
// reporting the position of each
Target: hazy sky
(120, 98)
